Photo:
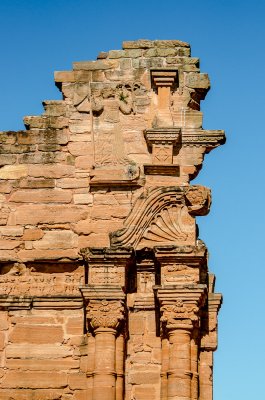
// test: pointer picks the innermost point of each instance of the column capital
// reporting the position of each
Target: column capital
(105, 314)
(104, 306)
(179, 306)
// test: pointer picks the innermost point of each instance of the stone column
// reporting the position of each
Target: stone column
(90, 364)
(164, 365)
(194, 366)
(208, 342)
(105, 317)
(179, 371)
(206, 375)
(120, 367)
(179, 308)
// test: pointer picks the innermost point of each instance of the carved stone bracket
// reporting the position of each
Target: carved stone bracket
(162, 142)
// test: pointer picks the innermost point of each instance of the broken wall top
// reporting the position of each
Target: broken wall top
(129, 124)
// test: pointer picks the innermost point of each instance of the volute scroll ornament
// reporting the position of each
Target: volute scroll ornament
(163, 216)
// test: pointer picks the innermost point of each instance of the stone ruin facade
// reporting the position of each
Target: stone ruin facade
(105, 292)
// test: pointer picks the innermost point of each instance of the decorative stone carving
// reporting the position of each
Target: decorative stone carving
(116, 154)
(105, 314)
(27, 281)
(161, 216)
(107, 266)
(171, 313)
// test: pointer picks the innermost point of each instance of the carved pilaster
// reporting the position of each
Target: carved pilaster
(105, 313)
(180, 314)
(208, 342)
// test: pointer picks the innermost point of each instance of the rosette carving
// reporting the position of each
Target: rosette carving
(105, 314)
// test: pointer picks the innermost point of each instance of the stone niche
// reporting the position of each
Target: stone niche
(105, 292)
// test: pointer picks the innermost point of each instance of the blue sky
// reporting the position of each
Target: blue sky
(39, 37)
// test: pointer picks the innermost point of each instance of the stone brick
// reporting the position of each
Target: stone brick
(33, 234)
(80, 148)
(42, 196)
(137, 323)
(84, 162)
(5, 187)
(3, 321)
(64, 76)
(7, 159)
(37, 351)
(11, 230)
(57, 240)
(143, 374)
(9, 244)
(13, 171)
(138, 44)
(32, 255)
(197, 81)
(36, 183)
(81, 395)
(59, 364)
(83, 198)
(36, 334)
(92, 65)
(34, 380)
(2, 340)
(72, 183)
(146, 392)
(75, 326)
(49, 214)
(50, 171)
(77, 381)
(29, 394)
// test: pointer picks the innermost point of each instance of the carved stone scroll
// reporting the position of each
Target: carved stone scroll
(163, 216)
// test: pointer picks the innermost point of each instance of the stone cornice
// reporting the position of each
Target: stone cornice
(200, 137)
(93, 292)
(46, 303)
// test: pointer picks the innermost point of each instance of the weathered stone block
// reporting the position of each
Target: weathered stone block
(49, 171)
(57, 240)
(143, 374)
(59, 364)
(13, 171)
(49, 214)
(36, 334)
(36, 183)
(11, 230)
(137, 323)
(7, 159)
(77, 381)
(32, 255)
(42, 196)
(38, 351)
(75, 326)
(34, 380)
(83, 198)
